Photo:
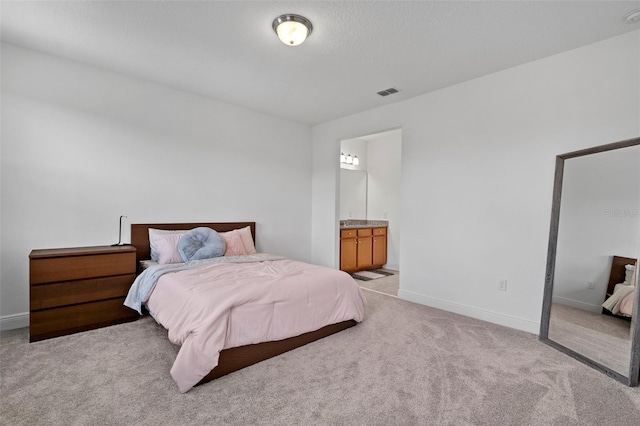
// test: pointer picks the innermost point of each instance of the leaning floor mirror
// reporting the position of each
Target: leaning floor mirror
(590, 305)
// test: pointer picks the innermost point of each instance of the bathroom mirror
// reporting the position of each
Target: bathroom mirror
(594, 244)
(353, 194)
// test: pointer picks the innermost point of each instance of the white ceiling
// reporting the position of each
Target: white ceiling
(228, 50)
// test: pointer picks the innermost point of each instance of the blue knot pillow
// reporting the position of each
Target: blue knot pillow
(201, 243)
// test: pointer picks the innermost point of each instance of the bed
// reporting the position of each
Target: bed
(245, 271)
(621, 287)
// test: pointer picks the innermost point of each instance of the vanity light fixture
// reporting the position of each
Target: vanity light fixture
(349, 159)
(292, 29)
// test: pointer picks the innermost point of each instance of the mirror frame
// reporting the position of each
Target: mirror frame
(634, 368)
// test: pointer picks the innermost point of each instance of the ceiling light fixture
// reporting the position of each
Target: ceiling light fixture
(292, 29)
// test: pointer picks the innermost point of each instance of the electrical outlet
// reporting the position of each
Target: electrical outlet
(591, 285)
(502, 285)
(386, 215)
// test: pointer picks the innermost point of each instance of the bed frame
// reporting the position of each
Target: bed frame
(617, 276)
(233, 359)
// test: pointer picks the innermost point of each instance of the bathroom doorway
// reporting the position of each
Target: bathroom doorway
(370, 172)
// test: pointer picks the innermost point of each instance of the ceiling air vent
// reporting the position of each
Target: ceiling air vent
(388, 92)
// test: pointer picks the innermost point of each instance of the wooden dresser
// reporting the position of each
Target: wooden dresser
(78, 289)
(363, 248)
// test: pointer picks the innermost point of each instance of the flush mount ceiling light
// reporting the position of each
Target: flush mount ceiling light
(292, 29)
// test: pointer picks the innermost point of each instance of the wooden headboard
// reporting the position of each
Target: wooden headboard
(617, 274)
(140, 233)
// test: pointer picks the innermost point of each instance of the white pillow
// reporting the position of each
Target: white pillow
(632, 278)
(167, 245)
(153, 240)
(628, 274)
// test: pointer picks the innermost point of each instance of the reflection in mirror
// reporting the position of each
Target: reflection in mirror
(353, 194)
(590, 294)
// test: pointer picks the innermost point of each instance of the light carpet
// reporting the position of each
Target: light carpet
(602, 338)
(405, 364)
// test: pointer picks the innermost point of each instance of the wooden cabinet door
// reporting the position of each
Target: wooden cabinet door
(365, 252)
(348, 254)
(380, 250)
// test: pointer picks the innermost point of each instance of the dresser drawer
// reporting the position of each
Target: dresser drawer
(46, 270)
(69, 293)
(364, 232)
(79, 288)
(379, 231)
(347, 233)
(60, 321)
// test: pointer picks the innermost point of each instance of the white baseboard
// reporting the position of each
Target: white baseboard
(11, 322)
(578, 304)
(391, 266)
(470, 311)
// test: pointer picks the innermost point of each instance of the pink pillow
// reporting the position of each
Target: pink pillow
(234, 243)
(247, 240)
(167, 245)
(153, 233)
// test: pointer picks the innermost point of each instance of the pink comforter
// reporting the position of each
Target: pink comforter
(621, 301)
(227, 305)
(626, 305)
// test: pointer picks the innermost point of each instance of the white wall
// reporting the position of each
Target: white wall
(599, 218)
(82, 146)
(353, 181)
(477, 174)
(383, 201)
(353, 194)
